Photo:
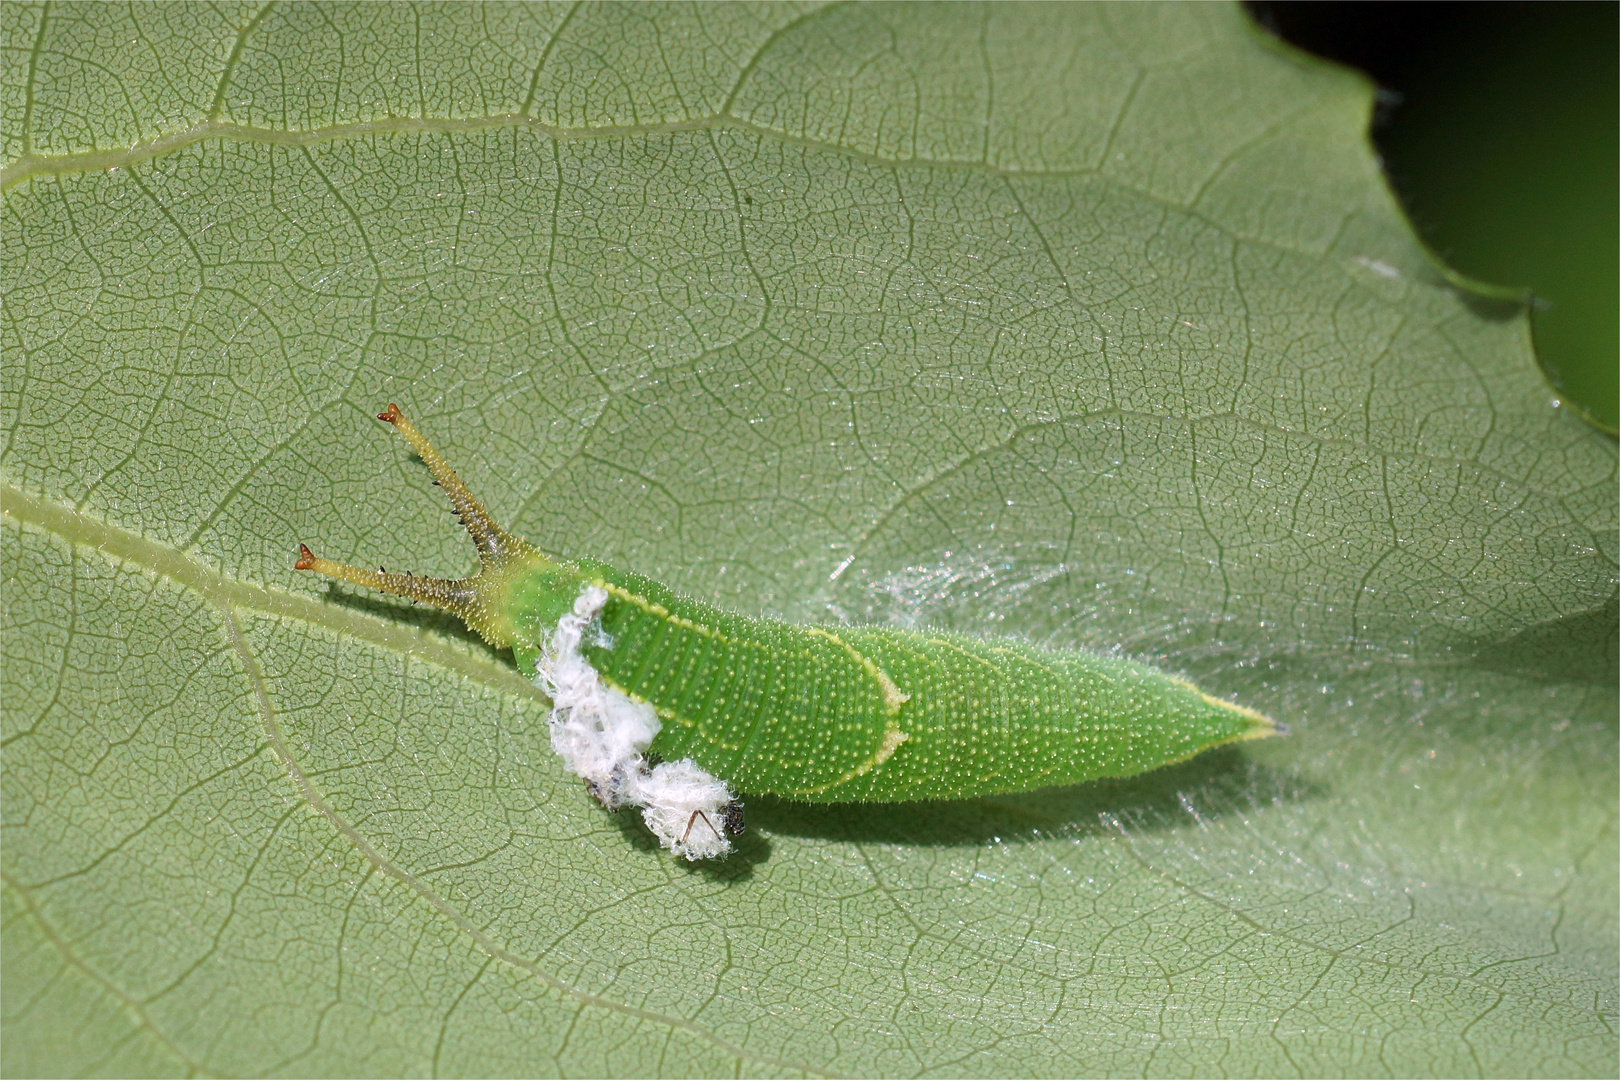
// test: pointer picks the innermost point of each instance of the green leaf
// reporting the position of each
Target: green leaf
(1092, 324)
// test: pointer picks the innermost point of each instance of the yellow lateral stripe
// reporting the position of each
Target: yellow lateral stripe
(661, 612)
(892, 738)
(893, 696)
(1056, 673)
(959, 650)
(1271, 726)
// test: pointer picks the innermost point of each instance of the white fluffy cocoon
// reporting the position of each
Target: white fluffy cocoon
(603, 736)
(686, 808)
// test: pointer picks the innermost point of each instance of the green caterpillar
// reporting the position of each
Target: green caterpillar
(669, 704)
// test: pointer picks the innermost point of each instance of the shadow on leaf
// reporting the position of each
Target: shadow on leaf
(1579, 648)
(429, 619)
(1212, 786)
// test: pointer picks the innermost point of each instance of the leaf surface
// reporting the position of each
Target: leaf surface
(1094, 324)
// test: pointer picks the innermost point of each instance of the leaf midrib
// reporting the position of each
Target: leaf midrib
(227, 594)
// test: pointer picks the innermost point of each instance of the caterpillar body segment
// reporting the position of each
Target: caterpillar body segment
(812, 713)
(672, 704)
(993, 716)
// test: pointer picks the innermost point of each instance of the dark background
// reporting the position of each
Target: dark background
(1499, 126)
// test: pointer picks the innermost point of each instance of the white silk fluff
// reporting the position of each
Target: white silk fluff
(603, 736)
